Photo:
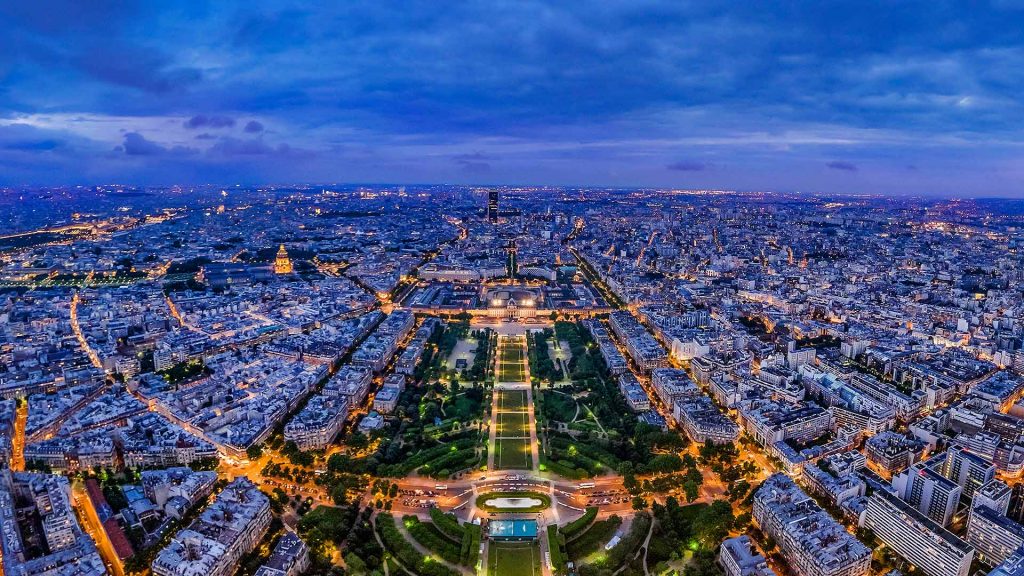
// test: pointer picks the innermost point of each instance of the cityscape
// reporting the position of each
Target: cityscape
(511, 288)
(455, 380)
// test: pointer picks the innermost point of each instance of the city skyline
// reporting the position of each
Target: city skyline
(511, 288)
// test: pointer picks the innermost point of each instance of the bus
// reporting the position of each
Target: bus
(440, 486)
(585, 485)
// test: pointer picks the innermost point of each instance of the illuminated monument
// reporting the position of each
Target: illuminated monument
(282, 264)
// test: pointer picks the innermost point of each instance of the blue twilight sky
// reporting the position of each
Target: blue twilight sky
(894, 97)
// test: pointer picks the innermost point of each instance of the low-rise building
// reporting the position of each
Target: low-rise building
(386, 400)
(289, 558)
(812, 542)
(737, 557)
(225, 531)
(703, 421)
(891, 452)
(319, 422)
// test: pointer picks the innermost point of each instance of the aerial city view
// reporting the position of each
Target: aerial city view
(361, 290)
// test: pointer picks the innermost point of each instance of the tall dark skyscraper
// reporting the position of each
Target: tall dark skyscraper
(492, 206)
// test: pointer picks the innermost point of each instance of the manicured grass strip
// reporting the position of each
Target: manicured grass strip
(511, 400)
(508, 559)
(513, 425)
(512, 454)
(511, 372)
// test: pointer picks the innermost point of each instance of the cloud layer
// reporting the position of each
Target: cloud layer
(838, 97)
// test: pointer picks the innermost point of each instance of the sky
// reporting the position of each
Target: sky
(900, 98)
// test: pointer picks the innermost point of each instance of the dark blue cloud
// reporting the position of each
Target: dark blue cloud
(474, 162)
(136, 144)
(204, 121)
(33, 145)
(610, 92)
(842, 165)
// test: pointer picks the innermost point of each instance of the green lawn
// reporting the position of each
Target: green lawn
(512, 360)
(512, 454)
(511, 400)
(512, 353)
(513, 559)
(511, 372)
(513, 424)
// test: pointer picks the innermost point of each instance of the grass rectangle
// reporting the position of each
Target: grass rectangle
(513, 425)
(512, 454)
(513, 559)
(512, 360)
(512, 354)
(511, 400)
(511, 373)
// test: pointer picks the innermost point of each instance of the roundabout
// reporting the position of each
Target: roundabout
(513, 502)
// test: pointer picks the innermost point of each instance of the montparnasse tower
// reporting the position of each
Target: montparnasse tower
(282, 264)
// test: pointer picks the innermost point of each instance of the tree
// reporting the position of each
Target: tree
(355, 565)
(703, 564)
(742, 521)
(738, 490)
(630, 484)
(339, 495)
(254, 452)
(639, 503)
(358, 440)
(692, 490)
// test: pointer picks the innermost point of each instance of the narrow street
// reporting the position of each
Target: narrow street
(18, 441)
(90, 520)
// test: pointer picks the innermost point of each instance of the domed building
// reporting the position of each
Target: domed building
(282, 263)
(512, 301)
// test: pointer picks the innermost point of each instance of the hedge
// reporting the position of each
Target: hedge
(556, 546)
(431, 538)
(563, 469)
(448, 524)
(471, 544)
(426, 457)
(442, 466)
(577, 526)
(405, 551)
